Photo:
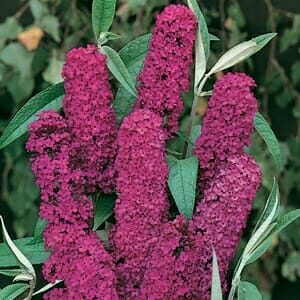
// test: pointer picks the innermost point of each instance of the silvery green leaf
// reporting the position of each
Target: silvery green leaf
(216, 289)
(10, 272)
(265, 131)
(47, 287)
(284, 220)
(248, 291)
(213, 37)
(19, 255)
(119, 70)
(182, 183)
(23, 277)
(240, 52)
(11, 292)
(103, 12)
(202, 44)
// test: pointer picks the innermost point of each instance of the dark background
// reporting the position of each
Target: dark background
(65, 24)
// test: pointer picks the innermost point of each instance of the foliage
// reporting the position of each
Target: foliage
(32, 47)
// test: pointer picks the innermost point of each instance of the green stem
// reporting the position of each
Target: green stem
(194, 111)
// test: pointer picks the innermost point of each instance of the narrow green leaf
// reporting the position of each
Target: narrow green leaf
(271, 202)
(47, 287)
(119, 70)
(285, 220)
(133, 55)
(13, 291)
(240, 52)
(35, 253)
(23, 260)
(268, 216)
(104, 209)
(248, 291)
(280, 223)
(264, 39)
(50, 98)
(216, 289)
(213, 37)
(261, 249)
(265, 131)
(182, 183)
(10, 272)
(103, 12)
(202, 44)
(38, 231)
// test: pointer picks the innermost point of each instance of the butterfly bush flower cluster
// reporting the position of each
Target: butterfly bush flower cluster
(66, 156)
(166, 69)
(152, 255)
(142, 206)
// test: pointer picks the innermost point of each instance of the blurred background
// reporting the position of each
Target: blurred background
(34, 36)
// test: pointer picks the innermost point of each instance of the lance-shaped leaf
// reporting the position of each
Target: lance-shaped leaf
(10, 272)
(265, 131)
(216, 289)
(202, 44)
(133, 55)
(13, 291)
(23, 260)
(119, 70)
(240, 52)
(35, 253)
(46, 287)
(182, 183)
(50, 98)
(103, 12)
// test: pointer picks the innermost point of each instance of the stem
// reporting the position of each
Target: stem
(194, 111)
(32, 287)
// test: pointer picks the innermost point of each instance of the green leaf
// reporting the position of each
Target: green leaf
(285, 220)
(17, 57)
(102, 15)
(104, 37)
(240, 52)
(119, 70)
(104, 209)
(50, 98)
(51, 25)
(13, 291)
(216, 289)
(213, 37)
(260, 250)
(35, 253)
(290, 269)
(52, 73)
(265, 131)
(182, 183)
(20, 87)
(133, 55)
(47, 287)
(38, 231)
(264, 39)
(202, 44)
(9, 30)
(10, 272)
(22, 259)
(248, 291)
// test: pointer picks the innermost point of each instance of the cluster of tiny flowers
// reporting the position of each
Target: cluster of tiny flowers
(228, 123)
(60, 166)
(90, 117)
(142, 206)
(166, 69)
(229, 177)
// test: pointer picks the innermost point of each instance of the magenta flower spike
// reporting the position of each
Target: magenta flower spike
(165, 74)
